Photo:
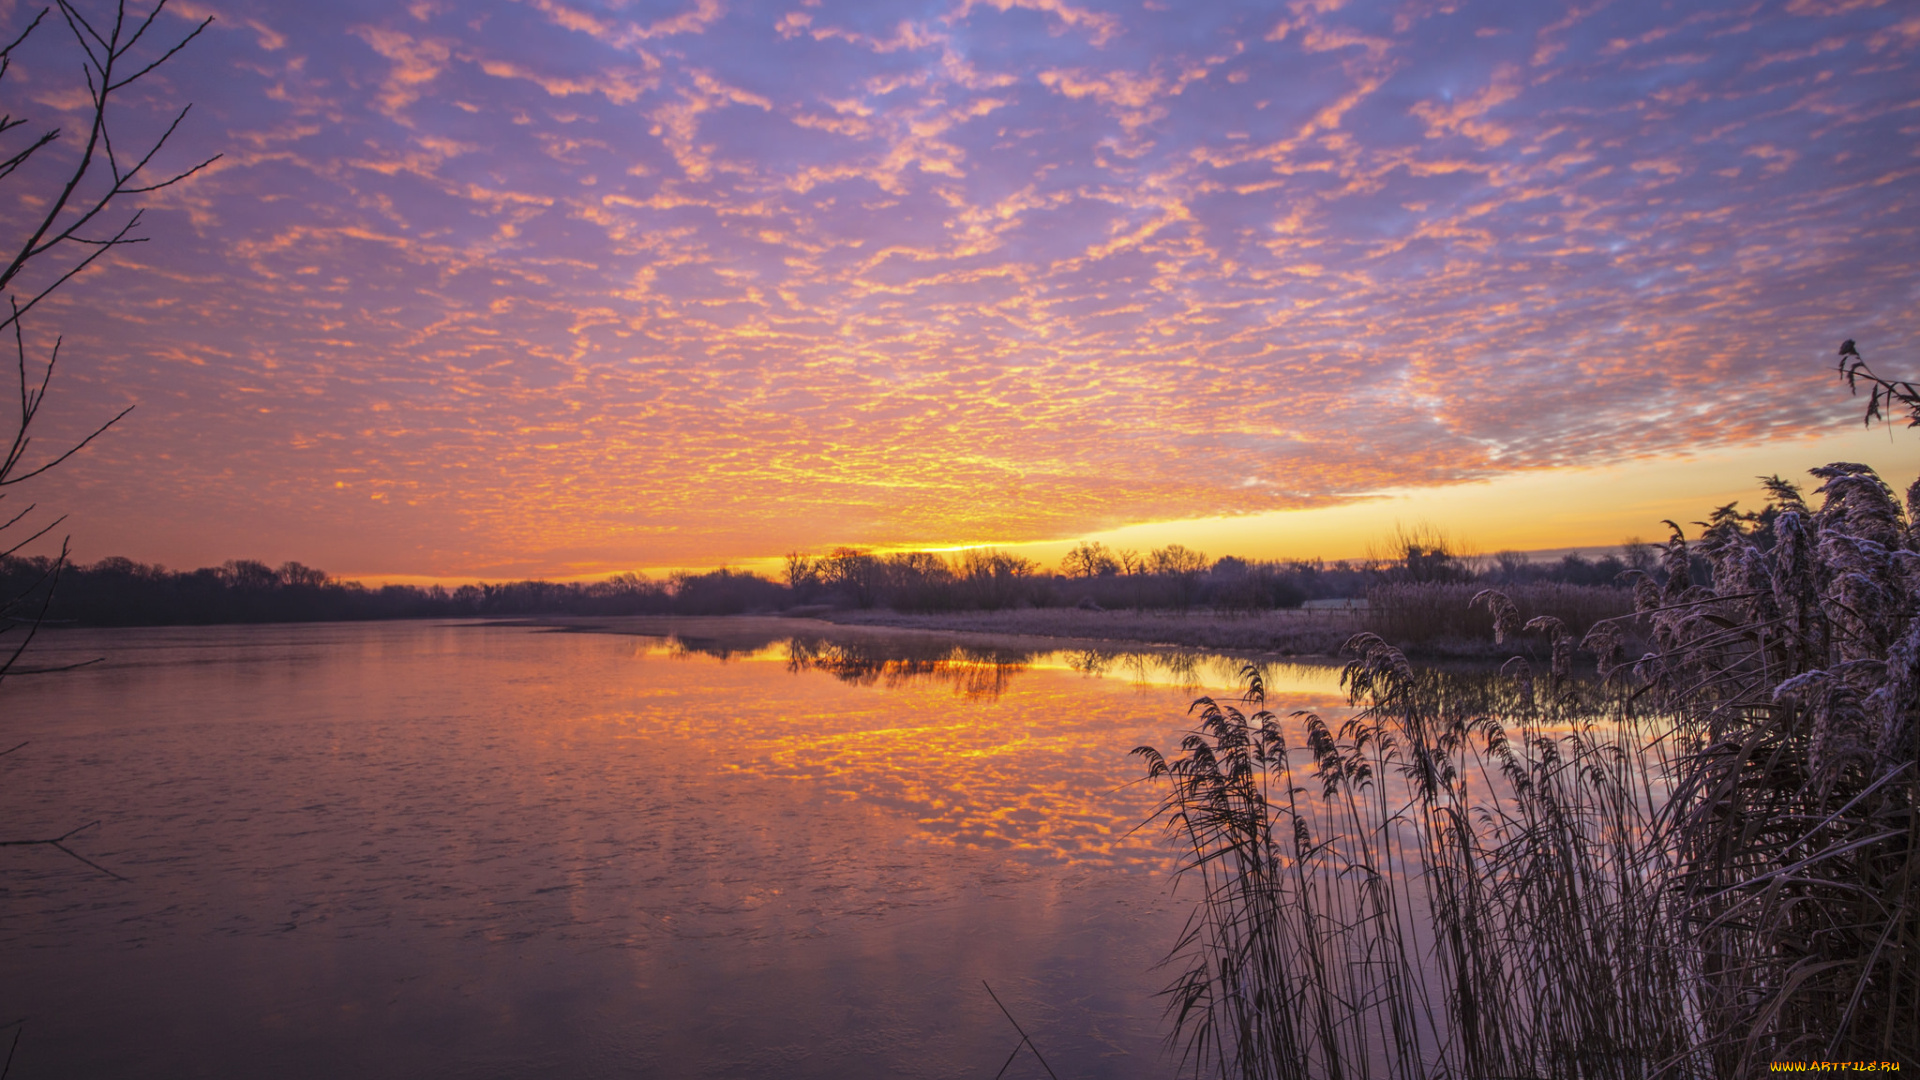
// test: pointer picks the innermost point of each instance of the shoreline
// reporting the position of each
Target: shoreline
(1289, 635)
(1289, 632)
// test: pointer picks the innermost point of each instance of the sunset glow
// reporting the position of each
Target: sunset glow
(564, 288)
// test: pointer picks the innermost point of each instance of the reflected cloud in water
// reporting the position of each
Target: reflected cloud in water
(986, 672)
(649, 856)
(979, 745)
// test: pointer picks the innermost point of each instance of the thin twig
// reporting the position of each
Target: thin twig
(19, 1025)
(1024, 1038)
(60, 842)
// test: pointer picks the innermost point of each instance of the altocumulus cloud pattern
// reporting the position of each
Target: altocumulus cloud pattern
(560, 285)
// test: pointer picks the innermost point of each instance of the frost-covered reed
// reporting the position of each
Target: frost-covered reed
(1700, 862)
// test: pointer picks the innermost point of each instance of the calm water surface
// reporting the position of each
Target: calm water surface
(425, 849)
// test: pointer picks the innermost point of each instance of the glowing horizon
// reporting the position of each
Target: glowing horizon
(1593, 510)
(562, 289)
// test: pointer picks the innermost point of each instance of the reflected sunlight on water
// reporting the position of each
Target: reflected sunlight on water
(1028, 763)
(423, 849)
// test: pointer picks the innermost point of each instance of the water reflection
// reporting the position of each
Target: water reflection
(973, 673)
(713, 849)
(986, 672)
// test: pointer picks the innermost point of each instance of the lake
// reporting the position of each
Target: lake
(434, 849)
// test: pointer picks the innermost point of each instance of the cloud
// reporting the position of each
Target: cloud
(1470, 116)
(723, 282)
(627, 35)
(1099, 27)
(415, 63)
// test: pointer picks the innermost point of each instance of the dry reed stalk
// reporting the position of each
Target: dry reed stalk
(1700, 863)
(1795, 673)
(1467, 885)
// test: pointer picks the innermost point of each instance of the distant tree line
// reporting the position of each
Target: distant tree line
(122, 592)
(1095, 576)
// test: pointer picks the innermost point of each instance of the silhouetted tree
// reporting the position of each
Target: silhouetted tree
(852, 572)
(1181, 567)
(992, 579)
(802, 576)
(1089, 559)
(918, 581)
(71, 223)
(1423, 555)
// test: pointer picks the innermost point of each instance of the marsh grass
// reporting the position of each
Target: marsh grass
(1439, 618)
(1699, 862)
(1460, 880)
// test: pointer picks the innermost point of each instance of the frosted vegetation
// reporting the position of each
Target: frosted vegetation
(1699, 861)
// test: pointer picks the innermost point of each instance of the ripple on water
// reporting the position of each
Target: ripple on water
(426, 849)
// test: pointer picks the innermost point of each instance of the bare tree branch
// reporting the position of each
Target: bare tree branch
(83, 196)
(60, 842)
(67, 214)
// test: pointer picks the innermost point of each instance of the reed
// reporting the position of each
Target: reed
(1696, 863)
(1796, 675)
(1463, 879)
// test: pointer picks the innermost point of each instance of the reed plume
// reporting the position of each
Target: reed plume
(1699, 862)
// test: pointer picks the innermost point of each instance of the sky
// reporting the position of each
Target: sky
(485, 290)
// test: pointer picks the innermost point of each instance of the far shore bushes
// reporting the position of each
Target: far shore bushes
(1418, 596)
(121, 592)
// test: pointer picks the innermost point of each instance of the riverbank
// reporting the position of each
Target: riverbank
(1286, 632)
(1282, 633)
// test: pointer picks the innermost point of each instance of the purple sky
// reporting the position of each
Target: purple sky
(517, 288)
